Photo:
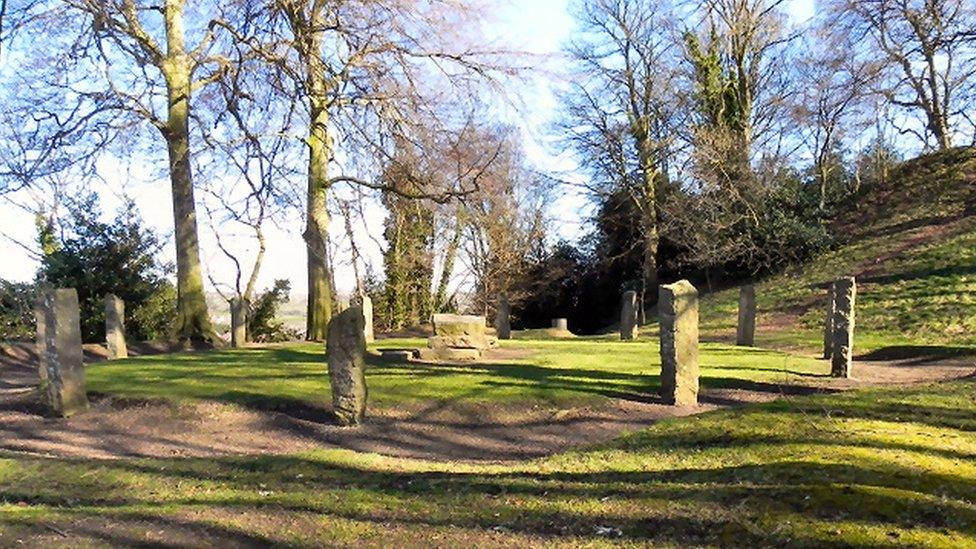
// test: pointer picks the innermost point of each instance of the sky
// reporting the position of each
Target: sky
(539, 27)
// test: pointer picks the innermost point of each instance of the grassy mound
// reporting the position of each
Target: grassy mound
(912, 245)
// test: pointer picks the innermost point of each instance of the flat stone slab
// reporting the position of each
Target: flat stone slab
(448, 353)
(399, 355)
(462, 342)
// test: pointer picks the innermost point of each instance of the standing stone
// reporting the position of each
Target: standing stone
(842, 344)
(342, 304)
(628, 316)
(238, 322)
(503, 325)
(346, 356)
(746, 332)
(367, 304)
(115, 327)
(828, 350)
(40, 332)
(59, 345)
(678, 309)
(560, 324)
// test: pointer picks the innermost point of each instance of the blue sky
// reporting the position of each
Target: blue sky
(539, 27)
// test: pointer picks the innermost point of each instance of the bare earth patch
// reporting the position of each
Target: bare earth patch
(470, 431)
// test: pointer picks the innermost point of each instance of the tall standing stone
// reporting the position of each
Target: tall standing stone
(503, 323)
(59, 344)
(845, 294)
(628, 316)
(367, 304)
(115, 327)
(678, 309)
(41, 334)
(829, 321)
(238, 322)
(746, 332)
(346, 355)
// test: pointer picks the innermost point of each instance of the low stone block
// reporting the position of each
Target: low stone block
(399, 355)
(450, 353)
(560, 324)
(462, 342)
(458, 325)
(346, 356)
(678, 309)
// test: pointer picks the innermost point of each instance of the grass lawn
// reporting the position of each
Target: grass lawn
(547, 372)
(860, 469)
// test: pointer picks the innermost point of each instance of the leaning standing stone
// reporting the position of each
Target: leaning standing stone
(345, 352)
(59, 342)
(238, 322)
(845, 294)
(829, 321)
(628, 316)
(503, 325)
(115, 327)
(746, 332)
(678, 305)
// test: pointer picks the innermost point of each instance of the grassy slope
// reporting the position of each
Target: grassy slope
(553, 372)
(914, 251)
(865, 469)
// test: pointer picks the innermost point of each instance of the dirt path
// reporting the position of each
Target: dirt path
(115, 428)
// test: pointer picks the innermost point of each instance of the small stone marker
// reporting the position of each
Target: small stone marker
(628, 316)
(746, 331)
(560, 324)
(829, 321)
(238, 322)
(115, 327)
(842, 345)
(678, 306)
(346, 356)
(367, 305)
(457, 337)
(503, 324)
(59, 345)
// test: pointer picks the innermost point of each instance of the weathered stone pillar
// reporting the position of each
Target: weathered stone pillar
(346, 356)
(503, 324)
(560, 324)
(115, 327)
(628, 316)
(41, 334)
(342, 304)
(59, 345)
(842, 346)
(238, 322)
(829, 321)
(367, 304)
(678, 310)
(746, 332)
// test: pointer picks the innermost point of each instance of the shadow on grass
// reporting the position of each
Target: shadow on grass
(916, 355)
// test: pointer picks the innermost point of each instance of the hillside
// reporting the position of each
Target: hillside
(912, 246)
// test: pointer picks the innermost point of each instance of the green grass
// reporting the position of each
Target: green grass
(550, 372)
(914, 252)
(866, 469)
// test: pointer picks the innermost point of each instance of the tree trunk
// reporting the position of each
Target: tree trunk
(193, 319)
(450, 255)
(319, 152)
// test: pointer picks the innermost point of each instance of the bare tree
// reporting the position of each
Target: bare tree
(929, 48)
(621, 109)
(133, 59)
